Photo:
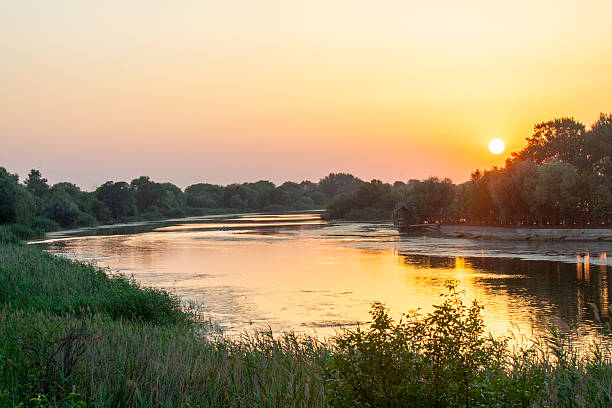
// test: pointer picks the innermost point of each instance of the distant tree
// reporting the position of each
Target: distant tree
(475, 197)
(61, 209)
(25, 207)
(598, 146)
(36, 184)
(9, 185)
(117, 197)
(204, 195)
(559, 139)
(149, 195)
(339, 183)
(431, 197)
(236, 202)
(555, 191)
(372, 201)
(280, 196)
(511, 190)
(398, 184)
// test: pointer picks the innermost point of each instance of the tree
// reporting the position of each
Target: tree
(511, 190)
(204, 195)
(236, 202)
(555, 191)
(36, 184)
(9, 185)
(560, 139)
(598, 146)
(61, 209)
(339, 183)
(149, 195)
(430, 197)
(117, 197)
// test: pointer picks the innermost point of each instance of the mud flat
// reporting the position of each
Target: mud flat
(535, 234)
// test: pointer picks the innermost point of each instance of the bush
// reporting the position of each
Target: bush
(86, 220)
(45, 224)
(62, 209)
(440, 359)
(174, 212)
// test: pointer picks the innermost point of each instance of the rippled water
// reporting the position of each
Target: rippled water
(296, 272)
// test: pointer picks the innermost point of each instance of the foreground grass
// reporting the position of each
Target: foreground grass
(70, 335)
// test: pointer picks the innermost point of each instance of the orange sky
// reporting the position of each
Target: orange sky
(231, 91)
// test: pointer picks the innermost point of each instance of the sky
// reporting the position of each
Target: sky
(234, 91)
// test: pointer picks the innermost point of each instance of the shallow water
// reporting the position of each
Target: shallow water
(297, 272)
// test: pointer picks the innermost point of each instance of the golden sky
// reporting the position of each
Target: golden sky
(230, 91)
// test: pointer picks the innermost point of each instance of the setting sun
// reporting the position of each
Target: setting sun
(497, 146)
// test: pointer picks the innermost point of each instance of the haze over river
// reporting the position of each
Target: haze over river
(296, 272)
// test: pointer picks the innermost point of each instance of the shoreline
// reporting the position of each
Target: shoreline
(514, 233)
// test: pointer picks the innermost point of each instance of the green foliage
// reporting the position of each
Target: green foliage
(559, 139)
(72, 336)
(44, 224)
(236, 202)
(429, 199)
(36, 184)
(440, 359)
(336, 184)
(63, 286)
(9, 185)
(60, 208)
(562, 177)
(371, 201)
(7, 236)
(445, 359)
(149, 195)
(117, 197)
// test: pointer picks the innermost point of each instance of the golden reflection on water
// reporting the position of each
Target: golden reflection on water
(310, 282)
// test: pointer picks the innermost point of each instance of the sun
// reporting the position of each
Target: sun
(497, 146)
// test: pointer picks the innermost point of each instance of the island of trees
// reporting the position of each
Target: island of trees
(563, 176)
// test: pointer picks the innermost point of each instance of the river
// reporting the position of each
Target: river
(297, 272)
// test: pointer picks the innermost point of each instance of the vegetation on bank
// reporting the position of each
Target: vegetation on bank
(70, 335)
(30, 208)
(563, 176)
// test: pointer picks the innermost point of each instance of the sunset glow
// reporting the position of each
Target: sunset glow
(238, 91)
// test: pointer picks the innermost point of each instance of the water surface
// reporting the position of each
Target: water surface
(297, 272)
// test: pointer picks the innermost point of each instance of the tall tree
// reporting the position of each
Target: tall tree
(117, 197)
(598, 146)
(36, 184)
(559, 139)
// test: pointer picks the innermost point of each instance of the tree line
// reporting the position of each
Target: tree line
(34, 206)
(563, 176)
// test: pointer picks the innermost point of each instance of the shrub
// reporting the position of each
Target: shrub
(443, 358)
(45, 224)
(86, 220)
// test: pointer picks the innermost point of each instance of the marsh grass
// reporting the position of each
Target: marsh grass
(70, 335)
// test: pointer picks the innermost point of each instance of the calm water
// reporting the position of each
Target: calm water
(296, 272)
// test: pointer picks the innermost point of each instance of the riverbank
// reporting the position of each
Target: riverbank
(71, 335)
(515, 234)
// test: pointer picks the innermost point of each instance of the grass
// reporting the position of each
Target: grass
(70, 335)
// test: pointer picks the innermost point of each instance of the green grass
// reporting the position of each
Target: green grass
(33, 280)
(70, 335)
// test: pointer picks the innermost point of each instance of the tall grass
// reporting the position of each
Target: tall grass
(70, 335)
(31, 279)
